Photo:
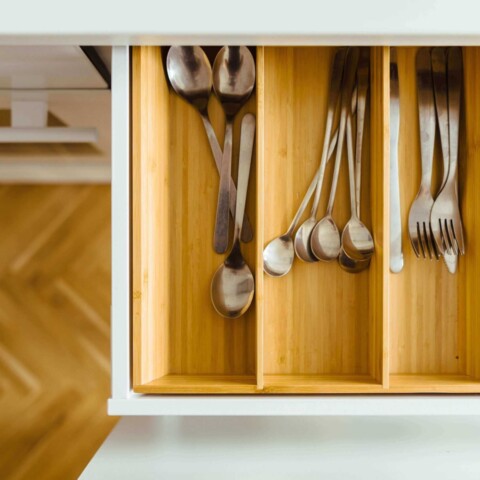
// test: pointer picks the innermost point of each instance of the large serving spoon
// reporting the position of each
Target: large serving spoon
(233, 284)
(302, 237)
(190, 75)
(325, 237)
(233, 82)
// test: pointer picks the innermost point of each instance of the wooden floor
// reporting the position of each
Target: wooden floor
(54, 329)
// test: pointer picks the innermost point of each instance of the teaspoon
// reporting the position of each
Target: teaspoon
(302, 237)
(233, 82)
(325, 237)
(233, 285)
(190, 75)
(357, 242)
(347, 263)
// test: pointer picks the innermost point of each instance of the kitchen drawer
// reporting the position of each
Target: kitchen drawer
(318, 330)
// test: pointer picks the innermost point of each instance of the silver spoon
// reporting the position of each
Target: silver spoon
(233, 285)
(190, 75)
(347, 263)
(357, 241)
(279, 253)
(233, 82)
(325, 237)
(302, 237)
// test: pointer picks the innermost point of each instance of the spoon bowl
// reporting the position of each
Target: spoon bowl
(357, 241)
(233, 77)
(232, 289)
(325, 240)
(278, 256)
(350, 265)
(302, 241)
(190, 75)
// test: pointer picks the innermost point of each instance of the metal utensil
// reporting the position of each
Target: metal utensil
(345, 262)
(396, 253)
(302, 237)
(190, 75)
(445, 216)
(439, 69)
(419, 216)
(278, 255)
(233, 285)
(325, 237)
(233, 82)
(356, 240)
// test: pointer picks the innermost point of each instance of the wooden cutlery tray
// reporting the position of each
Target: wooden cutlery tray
(318, 329)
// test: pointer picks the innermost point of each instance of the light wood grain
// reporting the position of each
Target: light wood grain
(469, 282)
(54, 329)
(379, 204)
(428, 305)
(175, 183)
(260, 188)
(318, 319)
(319, 329)
(201, 384)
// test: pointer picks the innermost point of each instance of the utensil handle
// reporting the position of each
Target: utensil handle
(348, 82)
(396, 253)
(439, 69)
(335, 83)
(247, 232)
(363, 78)
(220, 240)
(311, 187)
(455, 79)
(351, 168)
(426, 115)
(247, 138)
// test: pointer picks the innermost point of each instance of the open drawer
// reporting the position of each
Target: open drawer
(319, 329)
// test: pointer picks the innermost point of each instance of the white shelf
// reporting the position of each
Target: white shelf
(300, 22)
(299, 405)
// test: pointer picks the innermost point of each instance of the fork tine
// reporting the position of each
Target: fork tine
(421, 240)
(458, 234)
(451, 245)
(415, 246)
(432, 242)
(447, 249)
(413, 239)
(436, 229)
(426, 240)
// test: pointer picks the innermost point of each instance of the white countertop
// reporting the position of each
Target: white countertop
(374, 22)
(343, 448)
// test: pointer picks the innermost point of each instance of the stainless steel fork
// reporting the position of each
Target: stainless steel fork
(445, 218)
(419, 216)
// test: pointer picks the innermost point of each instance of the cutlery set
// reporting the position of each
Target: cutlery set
(233, 81)
(321, 240)
(434, 222)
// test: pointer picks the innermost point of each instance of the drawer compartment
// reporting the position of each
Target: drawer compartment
(434, 315)
(318, 329)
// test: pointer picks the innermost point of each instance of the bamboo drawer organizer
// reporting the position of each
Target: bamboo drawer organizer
(319, 329)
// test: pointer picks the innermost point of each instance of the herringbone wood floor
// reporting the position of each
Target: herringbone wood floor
(54, 329)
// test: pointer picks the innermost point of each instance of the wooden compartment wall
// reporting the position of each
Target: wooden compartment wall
(319, 329)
